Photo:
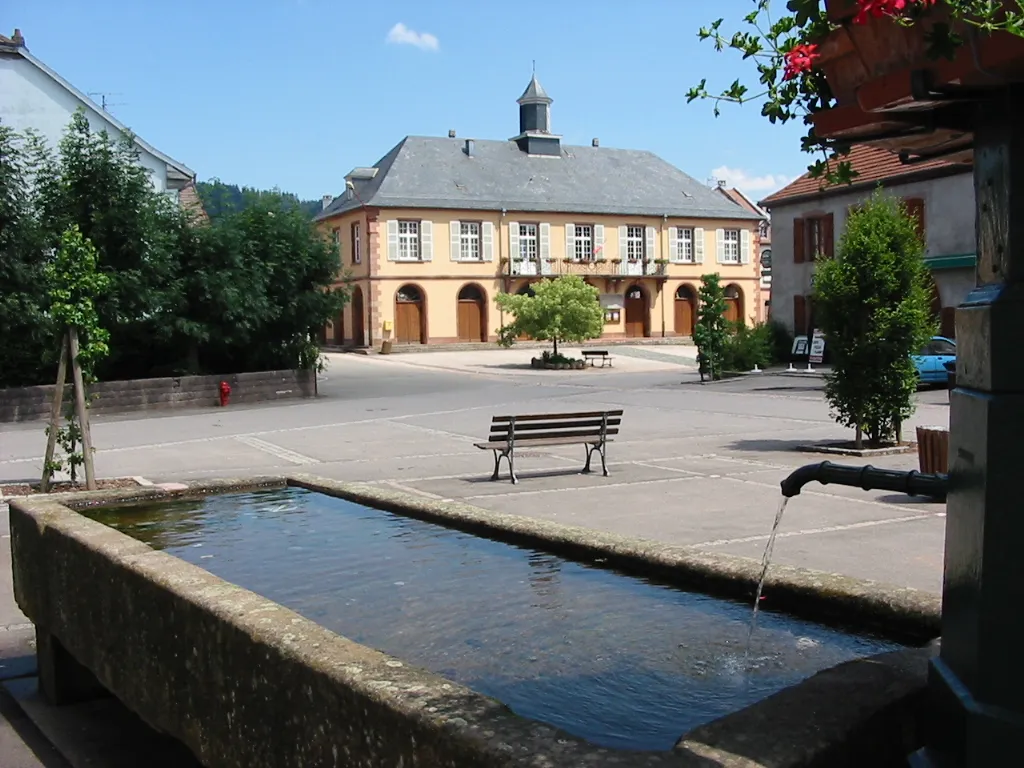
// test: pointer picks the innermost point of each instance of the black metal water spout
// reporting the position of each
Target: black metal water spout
(869, 478)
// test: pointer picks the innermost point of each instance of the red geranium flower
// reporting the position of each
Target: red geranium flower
(876, 8)
(800, 59)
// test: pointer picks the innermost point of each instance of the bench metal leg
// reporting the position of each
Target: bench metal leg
(591, 450)
(505, 454)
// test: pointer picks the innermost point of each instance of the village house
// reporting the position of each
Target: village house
(808, 220)
(764, 237)
(438, 226)
(36, 97)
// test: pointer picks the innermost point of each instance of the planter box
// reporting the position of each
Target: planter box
(33, 403)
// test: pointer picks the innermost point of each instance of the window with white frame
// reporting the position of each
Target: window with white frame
(469, 240)
(731, 252)
(635, 243)
(584, 242)
(528, 242)
(684, 245)
(408, 241)
(357, 251)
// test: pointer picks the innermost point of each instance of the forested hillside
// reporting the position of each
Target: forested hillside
(220, 198)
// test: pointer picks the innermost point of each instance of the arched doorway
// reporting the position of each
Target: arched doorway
(339, 328)
(733, 304)
(472, 314)
(686, 310)
(358, 332)
(410, 325)
(524, 290)
(636, 312)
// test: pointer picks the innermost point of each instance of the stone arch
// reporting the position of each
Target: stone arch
(685, 309)
(637, 312)
(471, 313)
(734, 304)
(410, 315)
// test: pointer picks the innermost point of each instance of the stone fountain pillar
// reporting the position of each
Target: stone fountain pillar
(977, 682)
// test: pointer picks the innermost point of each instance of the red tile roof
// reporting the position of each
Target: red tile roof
(188, 199)
(872, 165)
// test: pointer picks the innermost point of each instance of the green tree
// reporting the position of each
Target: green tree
(220, 199)
(25, 327)
(711, 332)
(97, 183)
(873, 304)
(563, 309)
(256, 288)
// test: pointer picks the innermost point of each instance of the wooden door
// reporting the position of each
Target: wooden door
(684, 317)
(636, 311)
(407, 322)
(357, 317)
(732, 310)
(470, 320)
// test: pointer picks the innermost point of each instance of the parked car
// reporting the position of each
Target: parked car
(931, 361)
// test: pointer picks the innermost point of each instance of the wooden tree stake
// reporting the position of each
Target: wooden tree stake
(82, 411)
(55, 406)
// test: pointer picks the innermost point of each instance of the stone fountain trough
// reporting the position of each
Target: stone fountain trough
(242, 680)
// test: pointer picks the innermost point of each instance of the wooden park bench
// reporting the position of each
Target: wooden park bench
(590, 355)
(592, 429)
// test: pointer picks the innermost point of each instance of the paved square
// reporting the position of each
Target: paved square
(695, 465)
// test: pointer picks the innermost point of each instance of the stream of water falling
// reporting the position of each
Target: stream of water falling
(766, 560)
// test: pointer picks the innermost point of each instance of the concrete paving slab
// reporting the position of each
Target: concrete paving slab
(22, 745)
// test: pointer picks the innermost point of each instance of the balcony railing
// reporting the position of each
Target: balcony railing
(597, 268)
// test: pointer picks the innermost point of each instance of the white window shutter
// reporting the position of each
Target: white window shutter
(599, 241)
(673, 243)
(622, 242)
(698, 245)
(570, 241)
(426, 240)
(745, 246)
(720, 245)
(650, 244)
(455, 240)
(513, 240)
(487, 241)
(544, 247)
(392, 240)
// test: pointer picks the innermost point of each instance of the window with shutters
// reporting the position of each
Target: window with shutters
(684, 246)
(731, 252)
(357, 248)
(915, 209)
(635, 243)
(583, 242)
(799, 316)
(528, 242)
(409, 241)
(469, 241)
(813, 238)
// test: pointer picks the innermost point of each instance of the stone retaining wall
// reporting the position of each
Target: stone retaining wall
(33, 403)
(243, 681)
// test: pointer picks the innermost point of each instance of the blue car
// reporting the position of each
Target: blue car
(931, 361)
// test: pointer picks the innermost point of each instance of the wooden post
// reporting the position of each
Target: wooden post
(55, 406)
(82, 411)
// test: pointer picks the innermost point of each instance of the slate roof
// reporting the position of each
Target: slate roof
(873, 165)
(534, 92)
(429, 172)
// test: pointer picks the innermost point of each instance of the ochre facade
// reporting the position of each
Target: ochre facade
(423, 295)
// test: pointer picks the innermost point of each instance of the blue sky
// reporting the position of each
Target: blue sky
(294, 93)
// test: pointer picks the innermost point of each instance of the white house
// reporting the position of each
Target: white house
(34, 96)
(807, 222)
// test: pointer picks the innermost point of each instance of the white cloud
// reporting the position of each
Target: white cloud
(745, 182)
(402, 35)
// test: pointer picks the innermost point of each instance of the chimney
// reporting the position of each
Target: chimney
(451, 134)
(595, 143)
(17, 39)
(326, 201)
(469, 147)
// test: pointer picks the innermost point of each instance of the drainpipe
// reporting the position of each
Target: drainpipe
(506, 281)
(661, 285)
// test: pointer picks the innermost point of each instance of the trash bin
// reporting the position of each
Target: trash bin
(933, 449)
(385, 347)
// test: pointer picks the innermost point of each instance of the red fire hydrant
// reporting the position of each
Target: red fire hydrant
(225, 393)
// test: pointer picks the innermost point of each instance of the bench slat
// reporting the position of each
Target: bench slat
(595, 353)
(499, 444)
(543, 416)
(568, 424)
(524, 439)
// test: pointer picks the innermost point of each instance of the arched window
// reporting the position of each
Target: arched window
(471, 293)
(409, 294)
(685, 293)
